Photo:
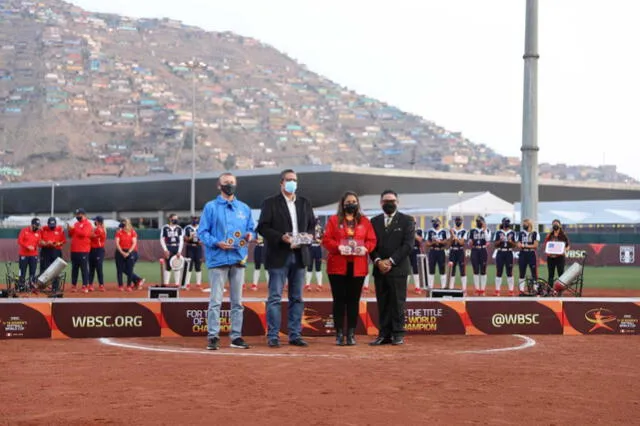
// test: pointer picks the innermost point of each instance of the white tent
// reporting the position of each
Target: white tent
(441, 204)
(582, 212)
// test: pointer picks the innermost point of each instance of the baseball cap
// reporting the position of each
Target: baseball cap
(99, 219)
(35, 221)
(80, 211)
(51, 221)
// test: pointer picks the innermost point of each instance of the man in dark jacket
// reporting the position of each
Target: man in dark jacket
(395, 232)
(284, 216)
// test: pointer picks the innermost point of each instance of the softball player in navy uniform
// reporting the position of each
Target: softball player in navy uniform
(316, 258)
(504, 242)
(456, 253)
(259, 253)
(437, 240)
(528, 240)
(172, 242)
(417, 249)
(194, 251)
(478, 239)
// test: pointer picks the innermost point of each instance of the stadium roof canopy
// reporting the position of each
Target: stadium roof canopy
(157, 195)
(443, 204)
(583, 212)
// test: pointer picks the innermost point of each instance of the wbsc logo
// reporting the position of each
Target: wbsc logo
(498, 320)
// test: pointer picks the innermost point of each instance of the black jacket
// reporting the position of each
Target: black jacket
(275, 221)
(395, 242)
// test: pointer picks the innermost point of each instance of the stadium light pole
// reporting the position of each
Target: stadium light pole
(194, 66)
(529, 166)
(53, 196)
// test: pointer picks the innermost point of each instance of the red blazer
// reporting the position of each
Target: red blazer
(334, 234)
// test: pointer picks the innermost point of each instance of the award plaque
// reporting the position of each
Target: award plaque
(301, 239)
(351, 247)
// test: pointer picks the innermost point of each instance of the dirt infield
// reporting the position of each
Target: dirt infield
(111, 290)
(560, 380)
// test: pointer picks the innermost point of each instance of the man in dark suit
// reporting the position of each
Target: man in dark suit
(283, 216)
(395, 232)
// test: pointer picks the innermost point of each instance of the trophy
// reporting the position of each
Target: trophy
(237, 241)
(300, 239)
(351, 246)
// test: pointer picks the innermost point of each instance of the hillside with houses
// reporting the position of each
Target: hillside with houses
(87, 94)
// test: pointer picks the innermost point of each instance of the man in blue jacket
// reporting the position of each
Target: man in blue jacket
(226, 227)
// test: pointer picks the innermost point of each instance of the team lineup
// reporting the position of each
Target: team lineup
(290, 243)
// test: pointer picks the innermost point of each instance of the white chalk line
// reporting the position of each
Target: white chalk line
(528, 342)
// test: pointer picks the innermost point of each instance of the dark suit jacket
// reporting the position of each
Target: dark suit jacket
(395, 242)
(275, 221)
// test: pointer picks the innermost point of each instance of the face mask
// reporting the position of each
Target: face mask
(525, 227)
(121, 226)
(290, 186)
(389, 208)
(34, 228)
(194, 222)
(174, 221)
(479, 224)
(228, 189)
(436, 225)
(350, 208)
(556, 227)
(458, 222)
(52, 226)
(79, 218)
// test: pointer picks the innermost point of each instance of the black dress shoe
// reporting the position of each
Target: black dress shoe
(298, 342)
(397, 340)
(273, 343)
(380, 341)
(339, 338)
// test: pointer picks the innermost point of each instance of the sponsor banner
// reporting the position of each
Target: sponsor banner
(601, 318)
(190, 319)
(317, 319)
(25, 320)
(105, 319)
(514, 317)
(426, 317)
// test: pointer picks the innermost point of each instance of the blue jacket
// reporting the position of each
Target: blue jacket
(228, 221)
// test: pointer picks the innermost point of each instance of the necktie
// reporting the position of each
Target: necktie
(387, 221)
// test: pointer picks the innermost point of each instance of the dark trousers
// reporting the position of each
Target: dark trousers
(48, 255)
(125, 265)
(457, 257)
(554, 263)
(413, 257)
(479, 261)
(80, 263)
(346, 290)
(436, 257)
(316, 259)
(96, 258)
(195, 254)
(391, 295)
(504, 260)
(32, 263)
(528, 258)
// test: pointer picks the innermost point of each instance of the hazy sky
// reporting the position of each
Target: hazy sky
(458, 62)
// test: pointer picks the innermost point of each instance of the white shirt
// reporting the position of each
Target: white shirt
(291, 205)
(388, 219)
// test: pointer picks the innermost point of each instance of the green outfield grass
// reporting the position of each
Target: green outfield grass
(614, 277)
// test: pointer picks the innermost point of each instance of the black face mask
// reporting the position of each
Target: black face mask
(79, 218)
(389, 208)
(458, 223)
(479, 224)
(174, 221)
(194, 222)
(52, 226)
(34, 228)
(121, 226)
(228, 189)
(556, 227)
(350, 208)
(436, 225)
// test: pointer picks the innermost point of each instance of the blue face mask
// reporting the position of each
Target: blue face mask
(290, 186)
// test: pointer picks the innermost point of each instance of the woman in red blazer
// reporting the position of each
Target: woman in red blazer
(348, 238)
